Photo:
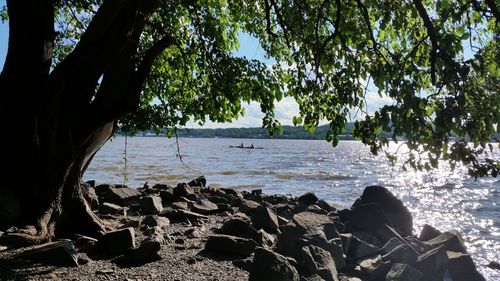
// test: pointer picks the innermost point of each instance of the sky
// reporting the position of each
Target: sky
(250, 48)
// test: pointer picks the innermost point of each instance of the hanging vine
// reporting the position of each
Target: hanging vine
(125, 174)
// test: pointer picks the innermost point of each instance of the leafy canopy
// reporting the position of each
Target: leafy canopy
(436, 61)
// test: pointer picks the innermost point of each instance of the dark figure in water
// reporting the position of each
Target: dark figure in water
(241, 144)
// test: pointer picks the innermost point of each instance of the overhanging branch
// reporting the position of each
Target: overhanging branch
(431, 31)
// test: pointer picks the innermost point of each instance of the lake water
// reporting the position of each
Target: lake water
(442, 198)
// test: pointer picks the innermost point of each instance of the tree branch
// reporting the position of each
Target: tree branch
(432, 35)
(366, 17)
(268, 19)
(494, 9)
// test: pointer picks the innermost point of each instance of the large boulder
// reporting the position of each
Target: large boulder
(433, 263)
(266, 219)
(231, 245)
(462, 267)
(198, 182)
(359, 249)
(271, 266)
(428, 232)
(370, 217)
(397, 212)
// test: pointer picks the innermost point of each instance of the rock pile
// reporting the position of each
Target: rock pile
(273, 237)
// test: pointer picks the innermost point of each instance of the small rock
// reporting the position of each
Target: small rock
(167, 195)
(90, 195)
(433, 263)
(494, 265)
(402, 254)
(248, 206)
(183, 190)
(390, 245)
(155, 221)
(245, 264)
(111, 209)
(116, 242)
(151, 204)
(59, 253)
(265, 239)
(180, 205)
(359, 249)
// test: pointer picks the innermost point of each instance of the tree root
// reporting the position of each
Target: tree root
(77, 218)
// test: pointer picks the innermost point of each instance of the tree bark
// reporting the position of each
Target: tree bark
(58, 130)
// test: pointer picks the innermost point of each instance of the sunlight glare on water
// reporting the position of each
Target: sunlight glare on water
(442, 198)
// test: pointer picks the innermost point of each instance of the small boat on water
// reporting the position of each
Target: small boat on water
(245, 147)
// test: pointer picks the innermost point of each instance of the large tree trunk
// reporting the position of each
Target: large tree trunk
(60, 121)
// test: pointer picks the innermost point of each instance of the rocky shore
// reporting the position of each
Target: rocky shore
(195, 232)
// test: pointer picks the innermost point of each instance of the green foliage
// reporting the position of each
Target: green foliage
(436, 62)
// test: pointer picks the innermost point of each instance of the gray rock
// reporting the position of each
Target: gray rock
(390, 245)
(394, 208)
(116, 242)
(167, 195)
(428, 232)
(183, 190)
(308, 198)
(368, 238)
(370, 218)
(248, 206)
(199, 182)
(240, 228)
(346, 241)
(205, 207)
(111, 209)
(324, 263)
(452, 241)
(85, 243)
(433, 263)
(381, 271)
(307, 222)
(359, 249)
(266, 219)
(462, 267)
(122, 196)
(59, 253)
(404, 272)
(492, 264)
(230, 245)
(151, 204)
(369, 266)
(155, 221)
(180, 205)
(325, 206)
(265, 239)
(271, 266)
(402, 254)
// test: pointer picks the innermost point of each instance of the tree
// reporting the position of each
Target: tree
(79, 68)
